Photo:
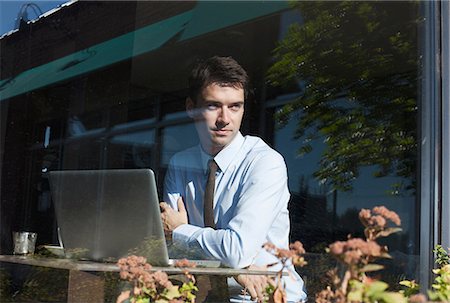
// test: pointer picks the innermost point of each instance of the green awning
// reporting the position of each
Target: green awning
(210, 16)
(206, 17)
(121, 48)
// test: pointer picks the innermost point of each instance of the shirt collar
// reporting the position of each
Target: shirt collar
(204, 158)
(225, 156)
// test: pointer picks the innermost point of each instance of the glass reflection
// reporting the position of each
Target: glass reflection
(177, 138)
(343, 78)
(134, 150)
(349, 133)
(358, 87)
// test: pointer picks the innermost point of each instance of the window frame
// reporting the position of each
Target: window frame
(445, 37)
(433, 163)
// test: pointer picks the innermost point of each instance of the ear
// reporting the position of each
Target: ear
(190, 107)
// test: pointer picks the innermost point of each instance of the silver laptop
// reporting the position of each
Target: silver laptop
(104, 215)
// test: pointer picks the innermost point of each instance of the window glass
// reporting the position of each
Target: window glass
(347, 125)
(101, 85)
(133, 150)
(177, 138)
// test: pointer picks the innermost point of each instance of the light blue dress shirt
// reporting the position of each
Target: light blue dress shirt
(250, 204)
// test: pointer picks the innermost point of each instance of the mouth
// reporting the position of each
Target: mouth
(221, 132)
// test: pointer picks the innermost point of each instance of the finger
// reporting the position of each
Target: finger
(252, 291)
(259, 294)
(163, 218)
(260, 288)
(271, 282)
(164, 206)
(264, 282)
(180, 203)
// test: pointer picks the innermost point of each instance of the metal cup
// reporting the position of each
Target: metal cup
(24, 242)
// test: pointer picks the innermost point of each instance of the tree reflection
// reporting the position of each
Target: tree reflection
(356, 65)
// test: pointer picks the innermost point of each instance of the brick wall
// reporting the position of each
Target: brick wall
(76, 27)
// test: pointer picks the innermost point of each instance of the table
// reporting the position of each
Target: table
(84, 284)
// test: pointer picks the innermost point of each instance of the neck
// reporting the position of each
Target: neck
(211, 149)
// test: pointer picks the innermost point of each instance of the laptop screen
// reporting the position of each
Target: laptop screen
(104, 215)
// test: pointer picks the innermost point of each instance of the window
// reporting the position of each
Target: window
(336, 90)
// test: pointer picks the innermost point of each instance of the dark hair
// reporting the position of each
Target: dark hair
(224, 71)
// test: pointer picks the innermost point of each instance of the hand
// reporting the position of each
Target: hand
(254, 284)
(171, 218)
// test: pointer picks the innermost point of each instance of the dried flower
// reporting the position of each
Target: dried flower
(386, 213)
(418, 298)
(184, 263)
(329, 296)
(293, 253)
(297, 247)
(355, 251)
(151, 285)
(276, 291)
(380, 217)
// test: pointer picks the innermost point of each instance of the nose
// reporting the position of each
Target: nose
(224, 116)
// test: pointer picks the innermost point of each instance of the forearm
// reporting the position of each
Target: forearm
(240, 241)
(223, 244)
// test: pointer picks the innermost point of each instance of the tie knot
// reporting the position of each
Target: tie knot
(212, 166)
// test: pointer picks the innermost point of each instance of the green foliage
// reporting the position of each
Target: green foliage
(270, 290)
(185, 293)
(187, 290)
(373, 292)
(148, 294)
(441, 285)
(149, 286)
(358, 255)
(412, 288)
(355, 64)
(442, 257)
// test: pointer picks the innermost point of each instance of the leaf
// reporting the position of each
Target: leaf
(442, 257)
(393, 297)
(372, 267)
(172, 293)
(375, 288)
(385, 255)
(389, 231)
(432, 295)
(355, 296)
(410, 284)
(407, 283)
(356, 291)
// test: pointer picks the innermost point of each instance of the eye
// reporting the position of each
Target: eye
(236, 107)
(212, 106)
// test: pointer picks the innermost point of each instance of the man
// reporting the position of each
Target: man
(250, 194)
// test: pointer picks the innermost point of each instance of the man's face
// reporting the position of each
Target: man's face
(218, 115)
